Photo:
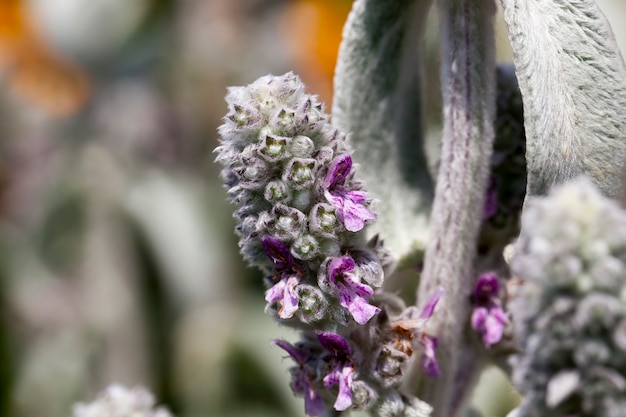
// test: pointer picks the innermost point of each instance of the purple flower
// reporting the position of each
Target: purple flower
(338, 277)
(429, 308)
(429, 360)
(488, 316)
(349, 203)
(284, 292)
(413, 329)
(287, 277)
(430, 342)
(303, 376)
(341, 368)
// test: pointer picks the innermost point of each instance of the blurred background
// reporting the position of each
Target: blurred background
(118, 261)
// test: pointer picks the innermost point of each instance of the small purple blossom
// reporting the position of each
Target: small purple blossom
(341, 368)
(347, 286)
(429, 360)
(288, 276)
(488, 316)
(429, 308)
(284, 292)
(430, 342)
(303, 376)
(349, 203)
(412, 326)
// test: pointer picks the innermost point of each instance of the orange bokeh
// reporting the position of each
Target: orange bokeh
(33, 70)
(313, 31)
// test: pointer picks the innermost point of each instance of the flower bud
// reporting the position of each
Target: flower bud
(389, 366)
(391, 406)
(323, 220)
(282, 222)
(363, 396)
(252, 171)
(283, 122)
(329, 248)
(301, 146)
(302, 199)
(313, 304)
(310, 118)
(324, 156)
(242, 121)
(277, 192)
(398, 405)
(274, 148)
(300, 173)
(370, 269)
(305, 247)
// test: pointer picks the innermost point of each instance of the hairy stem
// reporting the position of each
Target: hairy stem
(468, 80)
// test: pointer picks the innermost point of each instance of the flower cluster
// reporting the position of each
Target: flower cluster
(301, 212)
(118, 401)
(570, 314)
(301, 217)
(363, 370)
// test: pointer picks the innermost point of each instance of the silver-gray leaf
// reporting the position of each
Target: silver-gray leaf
(573, 83)
(378, 99)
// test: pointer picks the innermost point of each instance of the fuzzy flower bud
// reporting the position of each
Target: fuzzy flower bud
(118, 401)
(398, 405)
(570, 311)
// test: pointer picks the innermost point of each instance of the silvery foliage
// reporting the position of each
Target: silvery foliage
(573, 89)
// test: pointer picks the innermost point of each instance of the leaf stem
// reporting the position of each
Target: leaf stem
(468, 84)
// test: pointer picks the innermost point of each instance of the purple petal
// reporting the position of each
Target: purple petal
(429, 360)
(335, 344)
(487, 286)
(429, 308)
(351, 292)
(353, 283)
(337, 267)
(299, 355)
(494, 325)
(344, 398)
(313, 402)
(285, 292)
(479, 316)
(300, 383)
(349, 207)
(332, 378)
(359, 308)
(279, 253)
(343, 377)
(276, 292)
(338, 171)
(289, 303)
